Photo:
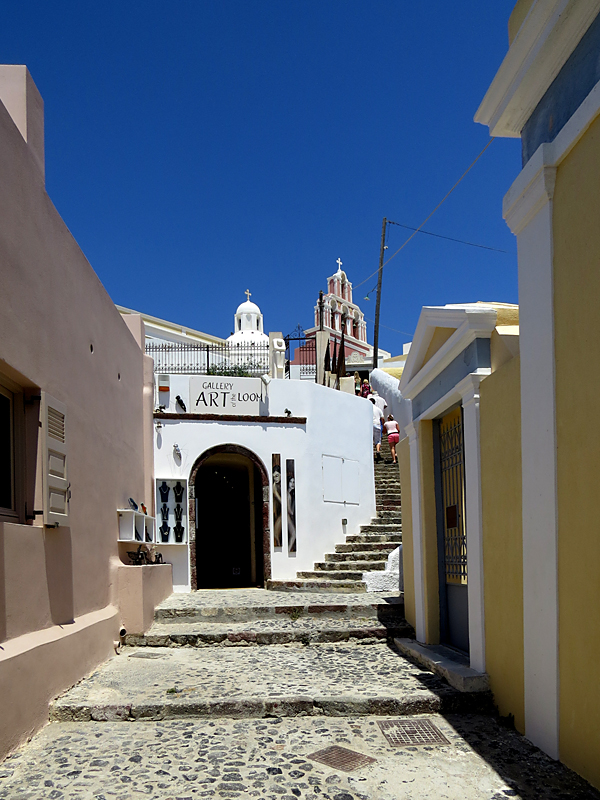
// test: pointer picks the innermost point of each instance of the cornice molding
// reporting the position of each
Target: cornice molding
(474, 324)
(166, 415)
(546, 39)
(532, 190)
(534, 186)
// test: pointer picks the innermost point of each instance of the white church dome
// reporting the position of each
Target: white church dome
(248, 307)
(248, 324)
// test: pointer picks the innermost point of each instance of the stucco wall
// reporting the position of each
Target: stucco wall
(577, 352)
(387, 386)
(500, 427)
(54, 310)
(338, 424)
(403, 451)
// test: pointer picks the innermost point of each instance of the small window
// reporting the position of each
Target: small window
(7, 451)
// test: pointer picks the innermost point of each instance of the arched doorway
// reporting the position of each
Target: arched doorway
(230, 543)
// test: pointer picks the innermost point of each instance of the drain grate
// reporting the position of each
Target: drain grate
(144, 654)
(402, 732)
(341, 758)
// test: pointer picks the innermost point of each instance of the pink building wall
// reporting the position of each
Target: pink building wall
(59, 600)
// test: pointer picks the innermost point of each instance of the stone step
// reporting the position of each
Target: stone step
(381, 527)
(337, 679)
(321, 585)
(355, 556)
(374, 537)
(248, 605)
(349, 566)
(306, 630)
(331, 575)
(384, 548)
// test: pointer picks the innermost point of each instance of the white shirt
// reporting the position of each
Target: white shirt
(377, 416)
(379, 401)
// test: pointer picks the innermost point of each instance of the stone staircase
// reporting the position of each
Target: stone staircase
(366, 551)
(242, 617)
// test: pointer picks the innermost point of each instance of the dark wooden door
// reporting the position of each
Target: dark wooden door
(223, 536)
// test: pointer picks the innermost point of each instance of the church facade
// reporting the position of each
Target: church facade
(336, 312)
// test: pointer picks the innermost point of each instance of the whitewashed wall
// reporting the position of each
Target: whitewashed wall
(337, 424)
(387, 386)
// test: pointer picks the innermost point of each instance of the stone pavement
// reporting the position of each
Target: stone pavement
(285, 680)
(229, 718)
(256, 616)
(270, 758)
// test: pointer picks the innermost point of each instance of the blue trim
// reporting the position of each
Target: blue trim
(566, 93)
(475, 356)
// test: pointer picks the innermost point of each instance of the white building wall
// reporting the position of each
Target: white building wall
(338, 425)
(388, 387)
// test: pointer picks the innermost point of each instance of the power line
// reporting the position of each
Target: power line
(428, 217)
(449, 238)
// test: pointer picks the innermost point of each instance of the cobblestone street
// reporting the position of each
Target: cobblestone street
(247, 717)
(269, 758)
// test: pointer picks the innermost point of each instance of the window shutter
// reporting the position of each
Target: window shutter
(54, 477)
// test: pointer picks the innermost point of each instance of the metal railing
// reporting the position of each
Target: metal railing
(237, 360)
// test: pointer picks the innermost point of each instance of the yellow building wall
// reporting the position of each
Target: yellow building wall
(403, 450)
(439, 338)
(577, 343)
(428, 521)
(500, 421)
(429, 533)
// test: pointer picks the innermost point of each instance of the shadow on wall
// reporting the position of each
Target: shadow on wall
(59, 574)
(2, 588)
(387, 386)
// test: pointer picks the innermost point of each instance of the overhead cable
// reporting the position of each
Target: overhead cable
(428, 217)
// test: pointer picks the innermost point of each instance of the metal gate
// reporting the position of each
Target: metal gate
(452, 531)
(301, 357)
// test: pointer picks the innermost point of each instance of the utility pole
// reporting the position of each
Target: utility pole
(378, 304)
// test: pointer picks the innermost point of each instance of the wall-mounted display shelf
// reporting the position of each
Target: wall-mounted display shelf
(135, 526)
(171, 511)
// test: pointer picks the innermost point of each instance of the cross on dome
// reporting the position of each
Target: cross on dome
(339, 262)
(248, 293)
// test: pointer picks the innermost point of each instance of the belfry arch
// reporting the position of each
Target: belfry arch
(221, 468)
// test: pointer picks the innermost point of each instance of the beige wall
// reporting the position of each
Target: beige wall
(500, 421)
(54, 309)
(429, 535)
(403, 450)
(577, 352)
(141, 589)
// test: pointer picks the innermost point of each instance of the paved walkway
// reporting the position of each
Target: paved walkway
(188, 759)
(332, 679)
(243, 604)
(238, 717)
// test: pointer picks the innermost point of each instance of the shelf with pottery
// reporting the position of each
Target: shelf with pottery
(135, 526)
(171, 512)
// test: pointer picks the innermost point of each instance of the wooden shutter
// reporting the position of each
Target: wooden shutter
(54, 476)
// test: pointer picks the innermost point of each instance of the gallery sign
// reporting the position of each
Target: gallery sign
(215, 394)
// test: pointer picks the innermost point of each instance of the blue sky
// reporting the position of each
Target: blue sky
(196, 149)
